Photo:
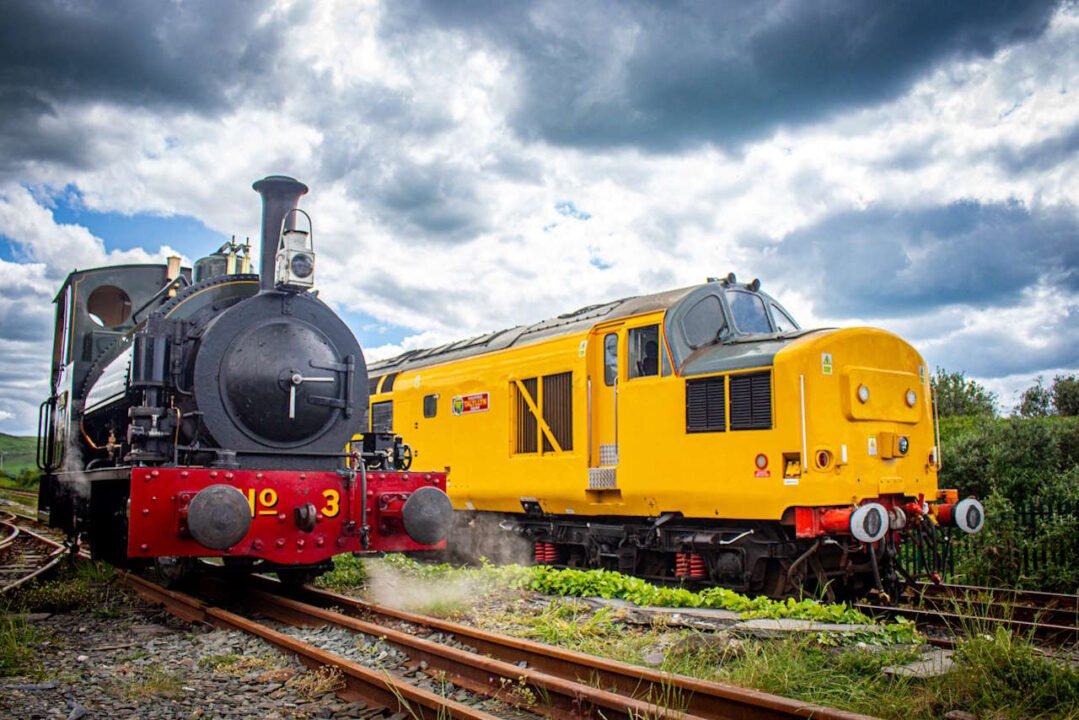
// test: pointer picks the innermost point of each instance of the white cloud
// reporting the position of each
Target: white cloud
(432, 112)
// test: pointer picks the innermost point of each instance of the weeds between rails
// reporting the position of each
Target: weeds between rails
(1047, 617)
(995, 674)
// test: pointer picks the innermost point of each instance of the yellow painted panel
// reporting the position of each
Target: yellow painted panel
(661, 467)
(887, 395)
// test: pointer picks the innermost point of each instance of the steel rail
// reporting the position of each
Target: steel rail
(12, 534)
(31, 494)
(554, 696)
(55, 555)
(956, 621)
(1033, 598)
(379, 688)
(699, 698)
(1040, 608)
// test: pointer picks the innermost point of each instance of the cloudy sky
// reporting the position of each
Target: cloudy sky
(476, 165)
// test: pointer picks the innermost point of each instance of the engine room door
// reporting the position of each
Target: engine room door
(603, 379)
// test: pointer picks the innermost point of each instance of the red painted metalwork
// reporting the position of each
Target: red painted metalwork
(807, 522)
(836, 520)
(545, 553)
(697, 568)
(157, 523)
(690, 566)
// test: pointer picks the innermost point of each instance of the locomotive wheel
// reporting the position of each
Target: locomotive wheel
(174, 572)
(295, 579)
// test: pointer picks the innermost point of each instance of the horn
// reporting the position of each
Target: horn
(280, 194)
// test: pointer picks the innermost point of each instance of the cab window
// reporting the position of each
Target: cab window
(644, 351)
(704, 323)
(748, 311)
(382, 416)
(610, 359)
(783, 321)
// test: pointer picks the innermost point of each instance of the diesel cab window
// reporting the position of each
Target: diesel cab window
(644, 351)
(610, 359)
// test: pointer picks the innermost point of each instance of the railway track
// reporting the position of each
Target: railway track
(27, 496)
(522, 678)
(21, 502)
(962, 608)
(24, 554)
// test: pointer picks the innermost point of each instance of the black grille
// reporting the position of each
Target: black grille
(751, 401)
(705, 405)
(387, 384)
(527, 427)
(558, 409)
(372, 385)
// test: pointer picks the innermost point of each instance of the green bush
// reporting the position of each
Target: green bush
(1026, 471)
(570, 582)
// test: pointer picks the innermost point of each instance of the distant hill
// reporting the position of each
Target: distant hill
(18, 452)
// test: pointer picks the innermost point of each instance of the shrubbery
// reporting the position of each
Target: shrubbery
(1026, 471)
(24, 478)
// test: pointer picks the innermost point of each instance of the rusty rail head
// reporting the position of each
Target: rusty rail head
(559, 697)
(701, 698)
(55, 555)
(10, 532)
(386, 689)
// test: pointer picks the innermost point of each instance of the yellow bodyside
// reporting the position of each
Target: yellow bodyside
(660, 467)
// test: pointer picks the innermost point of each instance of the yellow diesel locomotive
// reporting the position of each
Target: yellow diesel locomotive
(697, 435)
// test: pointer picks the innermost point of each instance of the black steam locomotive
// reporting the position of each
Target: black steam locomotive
(210, 413)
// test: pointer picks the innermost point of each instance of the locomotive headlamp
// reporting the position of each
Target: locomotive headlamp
(869, 522)
(863, 394)
(302, 265)
(295, 257)
(912, 397)
(903, 445)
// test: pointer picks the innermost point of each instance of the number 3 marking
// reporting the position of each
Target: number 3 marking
(333, 503)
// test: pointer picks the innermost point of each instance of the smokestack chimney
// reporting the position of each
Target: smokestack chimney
(280, 194)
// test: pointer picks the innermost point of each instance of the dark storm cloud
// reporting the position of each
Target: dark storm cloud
(890, 263)
(438, 201)
(20, 322)
(1041, 156)
(994, 353)
(450, 307)
(190, 56)
(670, 75)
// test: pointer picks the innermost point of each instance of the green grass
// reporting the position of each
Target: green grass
(996, 676)
(801, 668)
(610, 584)
(1001, 671)
(19, 455)
(80, 586)
(148, 682)
(238, 665)
(17, 655)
